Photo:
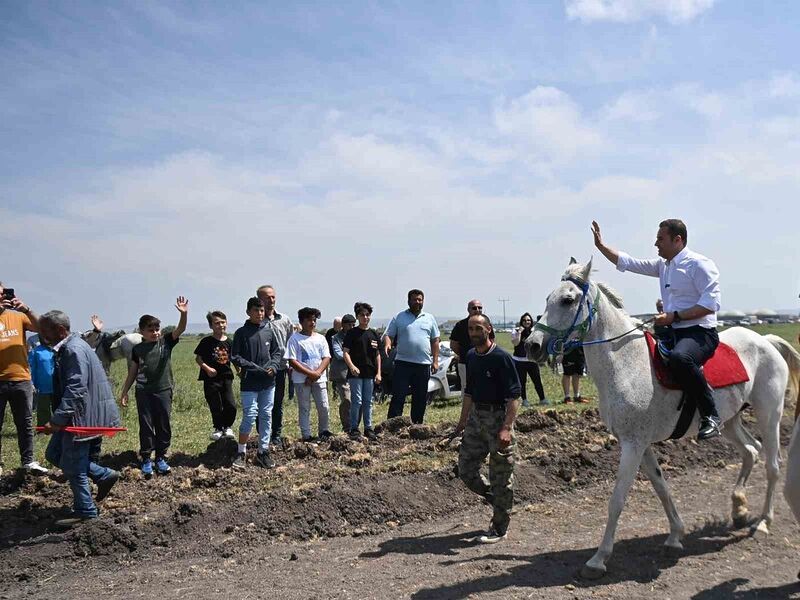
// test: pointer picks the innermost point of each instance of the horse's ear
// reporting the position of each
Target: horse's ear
(572, 260)
(587, 270)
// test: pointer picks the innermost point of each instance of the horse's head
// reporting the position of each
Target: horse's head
(565, 313)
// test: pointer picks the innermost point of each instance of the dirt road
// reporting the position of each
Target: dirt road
(411, 539)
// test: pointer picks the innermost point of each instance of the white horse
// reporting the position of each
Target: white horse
(791, 487)
(639, 411)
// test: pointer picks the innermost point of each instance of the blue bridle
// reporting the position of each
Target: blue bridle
(560, 343)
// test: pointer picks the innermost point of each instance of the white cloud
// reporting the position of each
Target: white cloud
(784, 85)
(548, 122)
(628, 11)
(638, 107)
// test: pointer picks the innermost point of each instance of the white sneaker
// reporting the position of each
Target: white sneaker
(34, 468)
(216, 435)
(229, 433)
(491, 536)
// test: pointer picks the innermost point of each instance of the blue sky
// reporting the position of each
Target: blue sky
(355, 151)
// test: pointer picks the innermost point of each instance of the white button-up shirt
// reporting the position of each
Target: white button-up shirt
(688, 280)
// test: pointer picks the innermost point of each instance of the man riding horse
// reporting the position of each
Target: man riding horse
(690, 292)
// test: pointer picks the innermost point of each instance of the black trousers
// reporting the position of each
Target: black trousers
(155, 431)
(277, 407)
(693, 347)
(525, 369)
(414, 375)
(221, 403)
(19, 394)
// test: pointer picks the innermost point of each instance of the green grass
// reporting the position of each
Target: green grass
(191, 422)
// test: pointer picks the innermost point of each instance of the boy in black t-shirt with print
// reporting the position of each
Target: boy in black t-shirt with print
(151, 368)
(213, 355)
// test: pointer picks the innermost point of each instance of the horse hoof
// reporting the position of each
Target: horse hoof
(740, 522)
(760, 530)
(588, 572)
(673, 549)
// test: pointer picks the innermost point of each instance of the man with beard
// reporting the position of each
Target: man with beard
(490, 406)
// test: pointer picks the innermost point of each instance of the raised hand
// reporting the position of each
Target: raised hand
(182, 304)
(97, 323)
(598, 240)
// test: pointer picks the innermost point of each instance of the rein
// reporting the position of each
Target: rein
(560, 343)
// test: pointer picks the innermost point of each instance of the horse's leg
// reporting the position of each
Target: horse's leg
(735, 432)
(768, 406)
(626, 472)
(654, 474)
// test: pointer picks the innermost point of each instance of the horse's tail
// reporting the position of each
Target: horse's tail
(792, 358)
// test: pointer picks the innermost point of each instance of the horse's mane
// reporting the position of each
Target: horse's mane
(613, 297)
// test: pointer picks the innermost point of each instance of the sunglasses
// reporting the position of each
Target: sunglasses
(475, 308)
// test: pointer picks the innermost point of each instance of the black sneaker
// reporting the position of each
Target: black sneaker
(371, 435)
(68, 522)
(240, 462)
(104, 487)
(355, 434)
(325, 435)
(709, 428)
(263, 459)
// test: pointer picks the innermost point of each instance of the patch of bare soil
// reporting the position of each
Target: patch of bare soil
(205, 510)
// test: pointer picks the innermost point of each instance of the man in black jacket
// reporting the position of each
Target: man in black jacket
(258, 354)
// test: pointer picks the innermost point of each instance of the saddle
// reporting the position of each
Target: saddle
(724, 368)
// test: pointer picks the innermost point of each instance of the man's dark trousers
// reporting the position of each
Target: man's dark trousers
(416, 376)
(19, 394)
(277, 407)
(693, 347)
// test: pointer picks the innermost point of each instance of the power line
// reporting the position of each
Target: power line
(504, 300)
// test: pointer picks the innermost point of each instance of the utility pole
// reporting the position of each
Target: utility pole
(504, 300)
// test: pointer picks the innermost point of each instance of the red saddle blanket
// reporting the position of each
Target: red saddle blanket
(723, 369)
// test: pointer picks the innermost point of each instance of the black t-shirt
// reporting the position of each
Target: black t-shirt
(217, 355)
(460, 334)
(492, 377)
(363, 346)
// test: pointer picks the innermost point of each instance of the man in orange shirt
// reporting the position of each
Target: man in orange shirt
(16, 388)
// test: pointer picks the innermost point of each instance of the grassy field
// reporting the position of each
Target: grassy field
(191, 421)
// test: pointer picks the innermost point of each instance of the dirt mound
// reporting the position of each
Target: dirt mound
(100, 537)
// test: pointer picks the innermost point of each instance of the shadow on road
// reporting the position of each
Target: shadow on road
(727, 589)
(640, 559)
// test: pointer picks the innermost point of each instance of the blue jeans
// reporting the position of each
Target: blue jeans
(361, 395)
(72, 457)
(258, 404)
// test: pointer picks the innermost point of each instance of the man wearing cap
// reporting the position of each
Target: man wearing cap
(338, 369)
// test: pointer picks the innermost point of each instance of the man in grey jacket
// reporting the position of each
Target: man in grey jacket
(283, 329)
(84, 399)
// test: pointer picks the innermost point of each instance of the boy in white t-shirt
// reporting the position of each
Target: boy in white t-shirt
(308, 355)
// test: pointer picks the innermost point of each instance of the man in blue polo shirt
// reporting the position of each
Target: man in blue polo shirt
(417, 356)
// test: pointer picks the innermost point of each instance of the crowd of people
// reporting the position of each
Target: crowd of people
(74, 396)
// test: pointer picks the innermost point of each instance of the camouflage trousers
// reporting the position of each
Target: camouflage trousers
(480, 440)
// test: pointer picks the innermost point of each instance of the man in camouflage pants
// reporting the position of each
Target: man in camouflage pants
(491, 402)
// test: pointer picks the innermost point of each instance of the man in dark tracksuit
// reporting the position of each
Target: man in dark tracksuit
(258, 354)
